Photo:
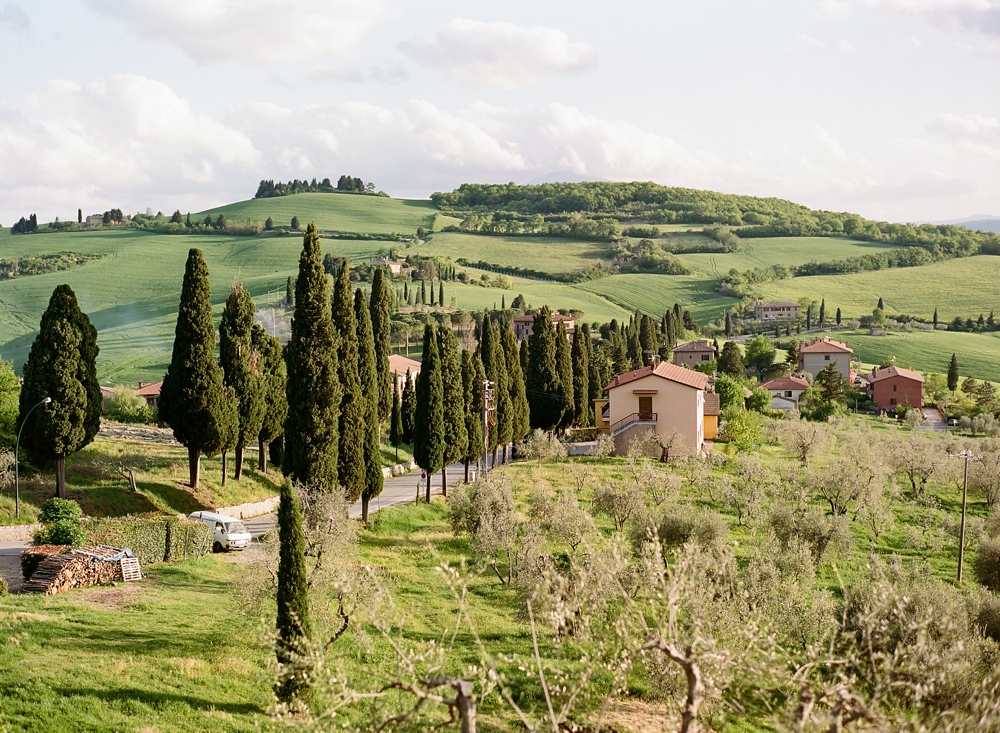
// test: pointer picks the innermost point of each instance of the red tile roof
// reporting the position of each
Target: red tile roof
(825, 346)
(399, 364)
(556, 317)
(695, 346)
(889, 372)
(786, 383)
(711, 403)
(666, 370)
(149, 390)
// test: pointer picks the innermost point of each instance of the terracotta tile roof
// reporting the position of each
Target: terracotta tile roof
(825, 346)
(772, 303)
(399, 364)
(666, 370)
(695, 346)
(711, 403)
(786, 383)
(149, 390)
(889, 372)
(556, 317)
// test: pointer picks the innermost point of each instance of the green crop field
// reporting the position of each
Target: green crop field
(333, 211)
(545, 254)
(655, 293)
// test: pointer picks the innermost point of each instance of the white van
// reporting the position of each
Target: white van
(228, 533)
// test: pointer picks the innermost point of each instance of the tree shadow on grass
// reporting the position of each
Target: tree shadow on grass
(172, 497)
(159, 699)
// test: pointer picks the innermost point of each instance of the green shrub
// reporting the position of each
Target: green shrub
(152, 538)
(684, 524)
(126, 406)
(32, 557)
(988, 616)
(62, 532)
(58, 510)
(987, 565)
(3, 586)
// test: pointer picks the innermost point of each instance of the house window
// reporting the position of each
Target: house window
(788, 393)
(894, 388)
(704, 357)
(892, 401)
(826, 357)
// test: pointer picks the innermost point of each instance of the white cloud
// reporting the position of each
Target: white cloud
(109, 143)
(811, 41)
(395, 74)
(834, 9)
(979, 16)
(13, 18)
(255, 31)
(499, 55)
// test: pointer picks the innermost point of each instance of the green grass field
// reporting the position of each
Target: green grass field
(555, 256)
(333, 211)
(655, 293)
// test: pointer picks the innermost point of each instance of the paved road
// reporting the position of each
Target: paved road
(10, 564)
(397, 490)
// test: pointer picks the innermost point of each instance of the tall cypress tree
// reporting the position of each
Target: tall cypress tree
(545, 396)
(564, 365)
(838, 316)
(523, 358)
(428, 426)
(594, 385)
(273, 379)
(292, 619)
(953, 373)
(822, 312)
(619, 353)
(408, 408)
(491, 352)
(192, 396)
(729, 324)
(520, 424)
(473, 376)
(289, 292)
(312, 438)
(62, 366)
(581, 379)
(353, 407)
(396, 418)
(380, 305)
(456, 437)
(935, 318)
(241, 367)
(881, 305)
(440, 293)
(229, 426)
(370, 389)
(647, 340)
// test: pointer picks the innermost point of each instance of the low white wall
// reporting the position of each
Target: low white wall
(246, 511)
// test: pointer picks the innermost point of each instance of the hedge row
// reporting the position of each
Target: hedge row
(152, 538)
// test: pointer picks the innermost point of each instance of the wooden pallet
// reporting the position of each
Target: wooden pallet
(131, 569)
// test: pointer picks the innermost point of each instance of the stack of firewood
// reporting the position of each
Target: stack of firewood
(86, 566)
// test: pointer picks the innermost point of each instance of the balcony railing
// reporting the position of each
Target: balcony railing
(635, 418)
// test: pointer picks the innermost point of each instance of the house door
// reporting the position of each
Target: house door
(645, 407)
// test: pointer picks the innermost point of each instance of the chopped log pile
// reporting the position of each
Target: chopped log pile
(96, 565)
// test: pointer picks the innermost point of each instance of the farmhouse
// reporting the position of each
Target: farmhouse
(663, 399)
(693, 353)
(523, 324)
(817, 355)
(94, 220)
(150, 392)
(766, 310)
(785, 392)
(392, 265)
(893, 386)
(398, 365)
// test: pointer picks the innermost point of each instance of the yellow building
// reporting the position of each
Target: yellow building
(711, 415)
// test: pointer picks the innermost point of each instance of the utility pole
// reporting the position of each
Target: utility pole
(967, 455)
(489, 418)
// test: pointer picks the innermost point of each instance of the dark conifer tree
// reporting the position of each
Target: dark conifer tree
(241, 367)
(61, 365)
(311, 437)
(353, 406)
(494, 362)
(456, 437)
(408, 407)
(289, 292)
(881, 305)
(581, 379)
(396, 418)
(192, 396)
(594, 384)
(564, 364)
(677, 312)
(838, 316)
(293, 592)
(935, 318)
(953, 373)
(441, 293)
(523, 358)
(809, 317)
(423, 293)
(473, 376)
(370, 390)
(729, 324)
(520, 424)
(822, 312)
(229, 426)
(619, 353)
(273, 379)
(647, 340)
(428, 426)
(634, 347)
(380, 305)
(545, 395)
(731, 361)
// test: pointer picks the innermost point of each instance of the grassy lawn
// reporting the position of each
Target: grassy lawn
(161, 483)
(655, 293)
(553, 255)
(333, 211)
(778, 251)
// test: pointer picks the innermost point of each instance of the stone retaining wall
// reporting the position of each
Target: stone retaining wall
(254, 509)
(399, 469)
(19, 532)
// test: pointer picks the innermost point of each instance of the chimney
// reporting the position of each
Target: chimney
(140, 384)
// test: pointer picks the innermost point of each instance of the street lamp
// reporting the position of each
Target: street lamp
(17, 445)
(968, 456)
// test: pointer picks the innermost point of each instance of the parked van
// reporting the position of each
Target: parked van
(228, 533)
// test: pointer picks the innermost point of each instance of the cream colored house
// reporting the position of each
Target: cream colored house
(817, 355)
(693, 353)
(664, 399)
(399, 365)
(785, 392)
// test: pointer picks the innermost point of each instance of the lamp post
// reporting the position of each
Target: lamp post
(967, 455)
(17, 445)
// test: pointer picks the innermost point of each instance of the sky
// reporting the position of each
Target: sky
(887, 108)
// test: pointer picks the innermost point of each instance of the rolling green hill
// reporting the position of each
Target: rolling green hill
(777, 251)
(332, 211)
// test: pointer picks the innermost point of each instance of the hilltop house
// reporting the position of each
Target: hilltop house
(393, 266)
(766, 310)
(894, 386)
(150, 392)
(817, 355)
(663, 399)
(693, 353)
(398, 365)
(785, 392)
(523, 325)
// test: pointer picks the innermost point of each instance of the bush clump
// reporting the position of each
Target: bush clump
(58, 510)
(987, 564)
(683, 524)
(60, 520)
(988, 616)
(128, 407)
(152, 538)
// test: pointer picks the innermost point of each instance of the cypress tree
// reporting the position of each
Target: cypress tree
(935, 318)
(61, 365)
(523, 358)
(594, 385)
(241, 367)
(273, 376)
(838, 316)
(293, 590)
(396, 418)
(545, 396)
(192, 398)
(731, 361)
(564, 365)
(408, 408)
(729, 324)
(381, 302)
(881, 305)
(229, 426)
(406, 291)
(494, 362)
(423, 293)
(311, 437)
(428, 427)
(373, 478)
(809, 317)
(953, 373)
(473, 376)
(353, 408)
(822, 312)
(441, 293)
(456, 437)
(289, 292)
(647, 339)
(677, 313)
(515, 382)
(581, 380)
